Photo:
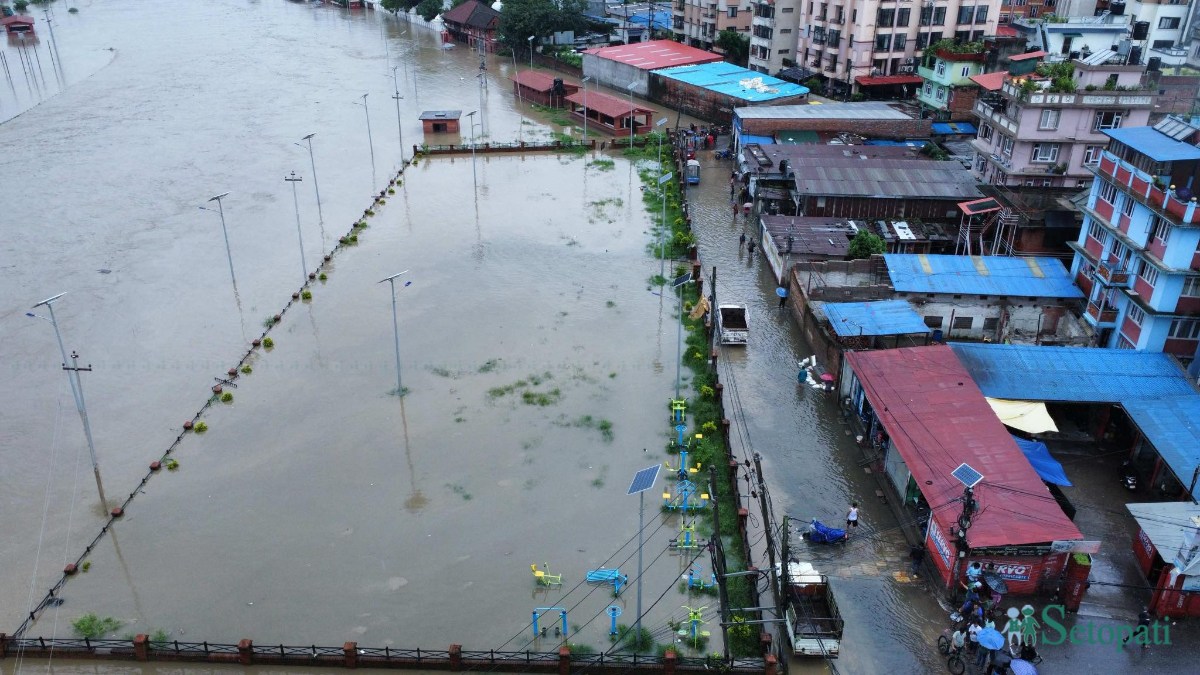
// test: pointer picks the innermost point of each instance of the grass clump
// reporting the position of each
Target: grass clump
(246, 369)
(306, 295)
(227, 397)
(91, 626)
(606, 430)
(200, 427)
(603, 164)
(268, 343)
(629, 640)
(541, 398)
(489, 365)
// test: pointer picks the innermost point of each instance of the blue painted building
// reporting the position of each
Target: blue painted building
(712, 90)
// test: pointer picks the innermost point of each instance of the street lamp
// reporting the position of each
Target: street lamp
(662, 189)
(293, 179)
(395, 325)
(631, 117)
(313, 162)
(76, 385)
(224, 231)
(370, 140)
(584, 81)
(474, 179)
(397, 97)
(530, 41)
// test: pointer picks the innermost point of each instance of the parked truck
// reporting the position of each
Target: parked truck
(814, 625)
(731, 325)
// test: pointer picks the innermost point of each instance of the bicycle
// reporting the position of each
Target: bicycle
(954, 660)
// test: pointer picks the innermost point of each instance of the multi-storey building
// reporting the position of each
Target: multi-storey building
(1138, 254)
(851, 41)
(697, 22)
(774, 25)
(1050, 132)
(946, 88)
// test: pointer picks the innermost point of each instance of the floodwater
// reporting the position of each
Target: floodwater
(317, 508)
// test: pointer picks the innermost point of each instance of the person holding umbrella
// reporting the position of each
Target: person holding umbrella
(990, 640)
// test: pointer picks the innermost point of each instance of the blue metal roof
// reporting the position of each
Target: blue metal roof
(1078, 374)
(953, 128)
(662, 20)
(728, 79)
(1154, 144)
(980, 275)
(761, 140)
(1153, 390)
(886, 317)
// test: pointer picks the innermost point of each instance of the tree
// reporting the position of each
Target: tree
(521, 18)
(395, 6)
(21, 5)
(428, 9)
(735, 45)
(866, 244)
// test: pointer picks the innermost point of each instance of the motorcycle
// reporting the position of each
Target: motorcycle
(821, 534)
(1129, 475)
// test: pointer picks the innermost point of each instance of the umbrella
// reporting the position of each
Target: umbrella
(1021, 667)
(995, 582)
(991, 638)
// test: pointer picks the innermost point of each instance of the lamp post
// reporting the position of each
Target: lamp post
(76, 385)
(662, 189)
(293, 179)
(396, 326)
(370, 140)
(584, 81)
(474, 179)
(313, 162)
(224, 231)
(530, 41)
(632, 122)
(397, 97)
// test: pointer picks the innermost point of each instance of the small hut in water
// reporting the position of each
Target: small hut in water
(610, 113)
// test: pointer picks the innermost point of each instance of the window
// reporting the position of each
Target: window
(962, 36)
(939, 16)
(922, 40)
(1046, 153)
(1168, 22)
(928, 88)
(1003, 19)
(985, 132)
(1162, 228)
(903, 16)
(1136, 314)
(941, 67)
(1127, 206)
(966, 71)
(883, 43)
(933, 321)
(1121, 252)
(1106, 119)
(1191, 287)
(1148, 273)
(784, 30)
(788, 10)
(898, 41)
(1006, 145)
(1091, 155)
(926, 15)
(981, 14)
(1050, 119)
(965, 14)
(1095, 231)
(991, 324)
(1108, 192)
(1185, 329)
(962, 323)
(941, 93)
(733, 12)
(885, 18)
(980, 163)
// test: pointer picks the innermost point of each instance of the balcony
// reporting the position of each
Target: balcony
(1111, 274)
(1142, 186)
(1101, 315)
(1079, 99)
(997, 118)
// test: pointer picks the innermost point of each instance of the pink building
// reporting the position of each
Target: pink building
(1048, 131)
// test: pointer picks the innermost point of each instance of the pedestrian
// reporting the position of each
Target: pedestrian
(750, 248)
(957, 640)
(1142, 631)
(973, 634)
(1001, 662)
(974, 571)
(782, 297)
(746, 208)
(735, 210)
(852, 516)
(981, 655)
(741, 241)
(917, 555)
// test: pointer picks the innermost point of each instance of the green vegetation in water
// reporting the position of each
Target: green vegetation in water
(460, 491)
(598, 482)
(555, 115)
(460, 419)
(172, 464)
(612, 375)
(610, 304)
(246, 369)
(268, 343)
(606, 430)
(489, 365)
(322, 276)
(628, 640)
(603, 164)
(657, 280)
(92, 627)
(87, 565)
(441, 371)
(541, 398)
(577, 648)
(269, 321)
(227, 397)
(200, 427)
(306, 295)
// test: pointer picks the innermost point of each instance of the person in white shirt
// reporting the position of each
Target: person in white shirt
(852, 517)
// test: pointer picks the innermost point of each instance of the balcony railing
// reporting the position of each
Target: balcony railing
(1111, 274)
(1142, 186)
(994, 116)
(1102, 314)
(1084, 99)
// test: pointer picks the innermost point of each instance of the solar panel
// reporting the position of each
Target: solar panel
(967, 475)
(681, 280)
(644, 479)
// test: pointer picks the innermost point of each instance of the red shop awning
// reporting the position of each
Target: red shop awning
(880, 80)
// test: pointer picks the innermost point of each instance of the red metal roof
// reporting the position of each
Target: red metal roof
(990, 81)
(1006, 32)
(937, 419)
(607, 104)
(1028, 55)
(538, 80)
(474, 14)
(17, 20)
(655, 54)
(869, 81)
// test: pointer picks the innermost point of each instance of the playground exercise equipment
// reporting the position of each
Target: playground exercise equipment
(679, 410)
(558, 630)
(685, 497)
(687, 540)
(680, 430)
(695, 620)
(696, 582)
(606, 576)
(613, 613)
(543, 577)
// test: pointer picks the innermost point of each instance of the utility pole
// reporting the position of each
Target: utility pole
(716, 551)
(770, 539)
(293, 179)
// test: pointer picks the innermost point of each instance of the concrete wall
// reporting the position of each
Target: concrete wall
(1022, 320)
(897, 129)
(616, 75)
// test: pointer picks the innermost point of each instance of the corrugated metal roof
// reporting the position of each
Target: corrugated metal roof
(885, 317)
(980, 275)
(1078, 374)
(733, 81)
(1170, 424)
(654, 54)
(937, 419)
(990, 81)
(1165, 524)
(607, 104)
(1175, 128)
(1154, 144)
(887, 179)
(865, 110)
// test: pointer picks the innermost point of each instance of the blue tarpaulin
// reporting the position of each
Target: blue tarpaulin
(1046, 466)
